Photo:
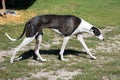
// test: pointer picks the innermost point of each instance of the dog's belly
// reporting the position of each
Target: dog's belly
(57, 31)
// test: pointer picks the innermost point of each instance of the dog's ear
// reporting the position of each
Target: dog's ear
(95, 31)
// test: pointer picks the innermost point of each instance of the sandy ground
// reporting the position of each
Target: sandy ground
(11, 19)
(20, 17)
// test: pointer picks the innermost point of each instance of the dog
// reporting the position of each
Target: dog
(65, 25)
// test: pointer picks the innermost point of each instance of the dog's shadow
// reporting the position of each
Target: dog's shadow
(31, 53)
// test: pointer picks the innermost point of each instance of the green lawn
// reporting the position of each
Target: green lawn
(105, 14)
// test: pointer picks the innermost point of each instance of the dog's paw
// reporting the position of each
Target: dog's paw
(93, 57)
(43, 60)
(62, 59)
(11, 61)
(66, 60)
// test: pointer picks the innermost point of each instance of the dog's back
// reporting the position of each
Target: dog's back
(65, 24)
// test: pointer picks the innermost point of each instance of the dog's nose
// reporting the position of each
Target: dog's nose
(103, 39)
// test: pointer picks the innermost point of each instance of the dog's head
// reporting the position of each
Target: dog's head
(95, 31)
(89, 28)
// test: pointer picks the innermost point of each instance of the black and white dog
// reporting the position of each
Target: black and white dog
(66, 25)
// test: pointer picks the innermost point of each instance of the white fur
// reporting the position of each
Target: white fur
(10, 37)
(24, 42)
(37, 47)
(65, 41)
(83, 27)
(57, 31)
(100, 37)
(80, 38)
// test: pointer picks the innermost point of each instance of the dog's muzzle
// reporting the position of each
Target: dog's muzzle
(100, 37)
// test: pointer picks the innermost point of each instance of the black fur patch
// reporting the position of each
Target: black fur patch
(95, 31)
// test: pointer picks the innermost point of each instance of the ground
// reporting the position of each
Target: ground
(110, 46)
(19, 18)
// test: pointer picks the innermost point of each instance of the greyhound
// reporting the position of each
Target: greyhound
(65, 25)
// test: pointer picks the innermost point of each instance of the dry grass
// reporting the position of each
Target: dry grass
(21, 17)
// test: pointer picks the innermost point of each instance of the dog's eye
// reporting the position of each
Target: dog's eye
(95, 31)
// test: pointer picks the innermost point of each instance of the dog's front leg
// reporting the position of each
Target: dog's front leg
(65, 41)
(80, 38)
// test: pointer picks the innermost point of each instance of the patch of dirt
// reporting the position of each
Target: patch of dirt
(113, 44)
(107, 29)
(46, 46)
(4, 54)
(56, 40)
(19, 18)
(35, 63)
(11, 19)
(22, 78)
(54, 75)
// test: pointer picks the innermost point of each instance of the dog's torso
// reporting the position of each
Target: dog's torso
(62, 24)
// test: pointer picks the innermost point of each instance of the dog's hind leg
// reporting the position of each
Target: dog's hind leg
(80, 38)
(65, 41)
(24, 42)
(37, 47)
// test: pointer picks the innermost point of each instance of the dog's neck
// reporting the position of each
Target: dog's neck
(83, 27)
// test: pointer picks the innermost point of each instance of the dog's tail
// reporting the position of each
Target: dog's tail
(12, 39)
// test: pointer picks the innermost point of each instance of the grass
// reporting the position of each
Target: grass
(101, 13)
(108, 12)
